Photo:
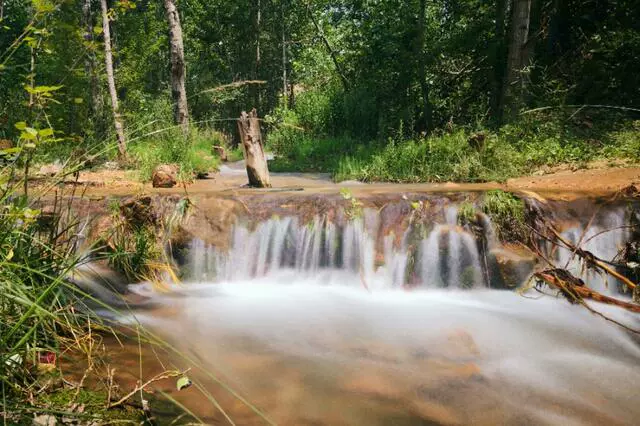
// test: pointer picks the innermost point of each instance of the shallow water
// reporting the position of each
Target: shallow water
(306, 352)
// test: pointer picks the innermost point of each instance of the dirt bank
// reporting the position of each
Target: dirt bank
(562, 184)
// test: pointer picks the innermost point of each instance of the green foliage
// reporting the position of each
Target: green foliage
(354, 207)
(466, 213)
(507, 212)
(193, 152)
(435, 159)
(132, 251)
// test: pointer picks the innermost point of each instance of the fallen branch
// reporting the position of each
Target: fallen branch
(592, 261)
(575, 290)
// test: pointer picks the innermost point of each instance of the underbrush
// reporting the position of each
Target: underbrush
(458, 154)
(192, 152)
(43, 317)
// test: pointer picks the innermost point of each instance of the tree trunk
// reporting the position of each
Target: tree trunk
(426, 121)
(108, 58)
(251, 139)
(90, 62)
(284, 59)
(515, 76)
(178, 67)
(332, 53)
(499, 65)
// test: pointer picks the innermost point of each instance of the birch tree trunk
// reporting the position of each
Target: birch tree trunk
(515, 77)
(254, 157)
(108, 58)
(178, 66)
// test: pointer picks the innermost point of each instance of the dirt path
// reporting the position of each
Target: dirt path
(564, 184)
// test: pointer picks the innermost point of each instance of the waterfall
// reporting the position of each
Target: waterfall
(440, 254)
(447, 256)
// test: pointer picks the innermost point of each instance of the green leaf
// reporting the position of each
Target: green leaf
(31, 131)
(44, 133)
(20, 125)
(9, 255)
(30, 145)
(183, 383)
(78, 100)
(27, 136)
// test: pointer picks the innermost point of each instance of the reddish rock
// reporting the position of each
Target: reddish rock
(165, 176)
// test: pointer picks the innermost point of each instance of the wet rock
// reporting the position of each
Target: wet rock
(46, 219)
(138, 211)
(220, 152)
(510, 266)
(435, 412)
(165, 176)
(376, 384)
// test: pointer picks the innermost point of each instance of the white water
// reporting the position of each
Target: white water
(444, 256)
(311, 354)
(314, 324)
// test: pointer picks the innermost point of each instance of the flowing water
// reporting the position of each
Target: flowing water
(329, 322)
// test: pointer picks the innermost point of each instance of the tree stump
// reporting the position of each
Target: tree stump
(255, 160)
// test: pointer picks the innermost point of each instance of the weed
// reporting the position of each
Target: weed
(466, 213)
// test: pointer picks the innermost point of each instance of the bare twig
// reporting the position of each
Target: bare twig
(156, 378)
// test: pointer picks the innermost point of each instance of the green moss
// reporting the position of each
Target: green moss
(507, 212)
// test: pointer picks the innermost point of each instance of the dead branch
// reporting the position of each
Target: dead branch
(234, 85)
(575, 290)
(592, 261)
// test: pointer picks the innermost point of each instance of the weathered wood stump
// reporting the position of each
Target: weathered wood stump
(251, 139)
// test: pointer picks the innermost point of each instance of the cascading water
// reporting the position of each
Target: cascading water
(310, 321)
(605, 237)
(447, 256)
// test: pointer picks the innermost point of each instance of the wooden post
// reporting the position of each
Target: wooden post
(254, 158)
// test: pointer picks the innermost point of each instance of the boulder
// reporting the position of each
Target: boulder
(510, 266)
(220, 152)
(165, 176)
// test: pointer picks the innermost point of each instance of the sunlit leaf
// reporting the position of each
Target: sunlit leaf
(45, 132)
(183, 383)
(20, 125)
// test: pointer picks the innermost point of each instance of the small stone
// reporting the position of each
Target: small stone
(45, 420)
(165, 176)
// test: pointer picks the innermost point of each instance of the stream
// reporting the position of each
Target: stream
(346, 321)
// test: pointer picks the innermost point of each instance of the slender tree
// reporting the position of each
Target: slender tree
(90, 63)
(426, 121)
(108, 58)
(178, 66)
(519, 35)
